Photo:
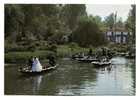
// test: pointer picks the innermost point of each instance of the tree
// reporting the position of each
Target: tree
(13, 21)
(26, 22)
(131, 22)
(98, 20)
(88, 32)
(30, 21)
(120, 23)
(110, 20)
(40, 19)
(71, 14)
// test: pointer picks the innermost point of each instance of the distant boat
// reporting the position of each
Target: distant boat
(26, 70)
(75, 57)
(131, 56)
(87, 59)
(101, 63)
(123, 54)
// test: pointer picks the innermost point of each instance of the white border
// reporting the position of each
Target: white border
(1, 49)
(73, 1)
(64, 2)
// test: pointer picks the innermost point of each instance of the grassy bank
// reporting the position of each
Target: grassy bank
(23, 56)
(66, 50)
(20, 57)
(62, 51)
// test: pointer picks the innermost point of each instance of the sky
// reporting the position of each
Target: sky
(104, 10)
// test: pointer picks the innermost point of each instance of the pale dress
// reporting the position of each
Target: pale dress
(36, 67)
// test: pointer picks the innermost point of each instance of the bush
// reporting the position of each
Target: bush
(118, 47)
(52, 47)
(88, 33)
(73, 45)
(15, 47)
(22, 57)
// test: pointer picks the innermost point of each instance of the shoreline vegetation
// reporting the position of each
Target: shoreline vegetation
(23, 56)
(60, 51)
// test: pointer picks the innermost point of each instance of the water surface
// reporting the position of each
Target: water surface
(74, 78)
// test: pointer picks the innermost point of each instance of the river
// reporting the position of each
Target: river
(74, 78)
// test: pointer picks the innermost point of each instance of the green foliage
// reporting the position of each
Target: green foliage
(40, 21)
(88, 32)
(110, 20)
(131, 22)
(65, 50)
(118, 47)
(53, 48)
(71, 14)
(120, 23)
(73, 45)
(13, 21)
(22, 57)
(32, 47)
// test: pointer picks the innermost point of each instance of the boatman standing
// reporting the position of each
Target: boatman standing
(30, 62)
(51, 60)
(90, 52)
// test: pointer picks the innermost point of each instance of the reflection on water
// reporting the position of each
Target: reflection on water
(36, 83)
(73, 78)
(119, 61)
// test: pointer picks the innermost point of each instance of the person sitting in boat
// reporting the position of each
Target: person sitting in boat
(36, 67)
(82, 54)
(89, 53)
(51, 60)
(30, 62)
(103, 52)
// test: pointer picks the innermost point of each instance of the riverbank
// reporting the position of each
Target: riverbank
(23, 56)
(60, 52)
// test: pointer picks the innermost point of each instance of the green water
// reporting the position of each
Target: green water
(74, 78)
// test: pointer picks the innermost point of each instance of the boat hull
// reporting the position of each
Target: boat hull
(87, 60)
(44, 70)
(99, 64)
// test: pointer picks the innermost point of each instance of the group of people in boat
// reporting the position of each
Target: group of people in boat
(36, 66)
(101, 55)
